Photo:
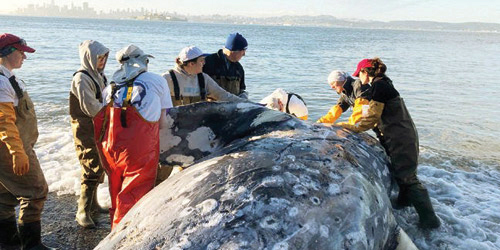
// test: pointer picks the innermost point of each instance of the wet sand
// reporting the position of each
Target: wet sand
(60, 230)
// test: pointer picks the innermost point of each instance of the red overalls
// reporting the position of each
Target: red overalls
(129, 149)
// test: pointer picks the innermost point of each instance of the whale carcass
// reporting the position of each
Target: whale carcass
(260, 179)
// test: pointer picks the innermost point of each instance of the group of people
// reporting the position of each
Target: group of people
(106, 116)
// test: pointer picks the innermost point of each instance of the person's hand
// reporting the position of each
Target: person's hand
(21, 164)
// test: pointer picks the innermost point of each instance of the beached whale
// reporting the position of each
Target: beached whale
(261, 179)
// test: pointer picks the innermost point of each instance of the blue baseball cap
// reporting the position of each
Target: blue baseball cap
(236, 42)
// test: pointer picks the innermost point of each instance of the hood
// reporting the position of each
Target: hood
(89, 51)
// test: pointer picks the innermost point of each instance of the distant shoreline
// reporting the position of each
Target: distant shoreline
(469, 27)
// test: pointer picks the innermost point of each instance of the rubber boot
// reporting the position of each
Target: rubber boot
(31, 236)
(9, 236)
(84, 215)
(402, 200)
(96, 208)
(419, 198)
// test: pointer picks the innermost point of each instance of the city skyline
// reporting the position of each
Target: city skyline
(388, 10)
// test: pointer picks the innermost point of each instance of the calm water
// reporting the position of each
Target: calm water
(446, 78)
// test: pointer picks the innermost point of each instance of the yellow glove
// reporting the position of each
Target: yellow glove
(10, 136)
(369, 121)
(357, 110)
(332, 115)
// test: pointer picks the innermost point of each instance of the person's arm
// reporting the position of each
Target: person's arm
(214, 91)
(165, 100)
(336, 111)
(9, 134)
(332, 115)
(370, 120)
(85, 91)
(243, 87)
(357, 111)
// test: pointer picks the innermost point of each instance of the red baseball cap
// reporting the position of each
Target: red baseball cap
(365, 63)
(7, 39)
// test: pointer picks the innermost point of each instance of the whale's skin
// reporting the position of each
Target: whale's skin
(268, 181)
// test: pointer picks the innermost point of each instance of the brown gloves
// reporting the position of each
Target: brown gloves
(369, 121)
(10, 136)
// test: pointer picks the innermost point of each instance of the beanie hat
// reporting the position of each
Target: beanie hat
(236, 42)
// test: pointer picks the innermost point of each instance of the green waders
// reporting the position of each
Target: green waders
(92, 172)
(29, 190)
(230, 83)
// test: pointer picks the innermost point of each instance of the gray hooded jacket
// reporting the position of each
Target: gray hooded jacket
(82, 85)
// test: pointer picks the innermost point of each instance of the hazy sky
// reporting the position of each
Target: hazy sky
(382, 10)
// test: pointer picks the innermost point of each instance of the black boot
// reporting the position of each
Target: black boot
(419, 198)
(9, 237)
(402, 200)
(31, 236)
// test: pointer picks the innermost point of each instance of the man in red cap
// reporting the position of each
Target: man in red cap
(21, 179)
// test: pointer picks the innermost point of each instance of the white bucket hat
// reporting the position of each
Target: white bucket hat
(133, 62)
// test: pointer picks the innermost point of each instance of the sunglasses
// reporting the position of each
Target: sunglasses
(22, 42)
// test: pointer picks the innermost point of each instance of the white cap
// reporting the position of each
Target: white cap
(337, 76)
(190, 53)
(297, 107)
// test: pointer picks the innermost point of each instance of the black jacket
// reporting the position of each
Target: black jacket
(353, 89)
(216, 67)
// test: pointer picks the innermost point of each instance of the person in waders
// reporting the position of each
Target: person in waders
(289, 103)
(225, 67)
(21, 179)
(352, 94)
(398, 135)
(85, 100)
(127, 129)
(188, 84)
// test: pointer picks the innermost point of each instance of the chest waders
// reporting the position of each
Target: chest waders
(29, 190)
(92, 174)
(179, 100)
(399, 136)
(129, 149)
(229, 83)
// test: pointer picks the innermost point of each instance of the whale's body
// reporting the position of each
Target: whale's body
(260, 179)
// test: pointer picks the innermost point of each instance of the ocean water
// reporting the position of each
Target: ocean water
(448, 80)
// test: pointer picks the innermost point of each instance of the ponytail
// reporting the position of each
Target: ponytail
(184, 64)
(378, 68)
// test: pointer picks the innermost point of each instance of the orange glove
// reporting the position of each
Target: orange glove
(10, 136)
(332, 115)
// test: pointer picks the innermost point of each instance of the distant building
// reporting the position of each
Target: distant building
(85, 11)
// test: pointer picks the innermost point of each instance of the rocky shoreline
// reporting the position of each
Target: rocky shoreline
(60, 230)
